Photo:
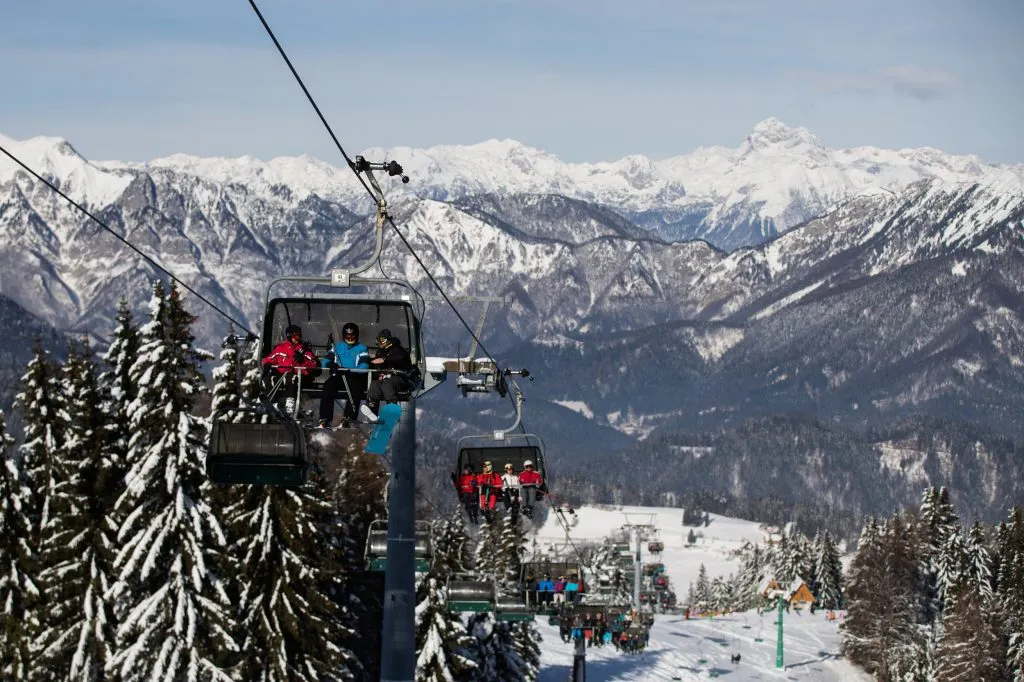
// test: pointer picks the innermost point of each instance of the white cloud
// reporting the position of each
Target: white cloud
(919, 82)
(913, 81)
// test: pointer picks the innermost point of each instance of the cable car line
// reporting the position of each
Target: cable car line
(356, 166)
(127, 243)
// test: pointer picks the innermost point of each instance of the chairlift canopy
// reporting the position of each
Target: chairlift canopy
(514, 449)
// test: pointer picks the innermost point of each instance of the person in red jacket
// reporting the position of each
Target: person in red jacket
(465, 485)
(529, 482)
(291, 358)
(489, 484)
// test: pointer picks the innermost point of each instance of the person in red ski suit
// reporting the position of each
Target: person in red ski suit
(290, 358)
(489, 484)
(465, 485)
(529, 482)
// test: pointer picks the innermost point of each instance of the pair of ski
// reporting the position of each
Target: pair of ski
(380, 434)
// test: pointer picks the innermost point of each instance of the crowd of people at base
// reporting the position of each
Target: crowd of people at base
(627, 631)
(519, 492)
(348, 362)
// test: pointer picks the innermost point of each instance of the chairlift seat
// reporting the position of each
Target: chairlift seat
(508, 608)
(470, 595)
(377, 547)
(257, 454)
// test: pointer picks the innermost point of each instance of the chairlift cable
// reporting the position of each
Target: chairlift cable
(352, 167)
(127, 243)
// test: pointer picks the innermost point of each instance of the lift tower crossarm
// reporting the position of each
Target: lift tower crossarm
(641, 525)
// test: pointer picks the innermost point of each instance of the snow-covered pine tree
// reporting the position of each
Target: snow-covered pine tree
(829, 572)
(498, 556)
(227, 380)
(78, 546)
(119, 393)
(952, 566)
(44, 420)
(1010, 591)
(526, 642)
(480, 627)
(717, 593)
(490, 556)
(750, 576)
(287, 549)
(905, 646)
(969, 649)
(175, 622)
(937, 521)
(17, 587)
(727, 592)
(702, 590)
(861, 628)
(979, 561)
(782, 560)
(443, 647)
(436, 632)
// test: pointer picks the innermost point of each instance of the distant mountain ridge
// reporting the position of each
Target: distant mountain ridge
(778, 177)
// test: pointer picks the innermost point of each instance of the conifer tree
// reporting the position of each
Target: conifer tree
(17, 587)
(443, 647)
(119, 389)
(526, 643)
(750, 576)
(175, 623)
(227, 380)
(44, 419)
(287, 546)
(702, 590)
(938, 520)
(860, 637)
(717, 601)
(952, 566)
(970, 649)
(1010, 591)
(482, 650)
(979, 561)
(829, 572)
(880, 632)
(79, 544)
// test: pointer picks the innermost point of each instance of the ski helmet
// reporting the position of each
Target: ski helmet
(528, 463)
(350, 329)
(291, 330)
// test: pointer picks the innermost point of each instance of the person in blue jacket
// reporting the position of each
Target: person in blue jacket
(345, 361)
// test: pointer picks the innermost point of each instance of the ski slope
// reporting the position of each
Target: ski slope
(696, 649)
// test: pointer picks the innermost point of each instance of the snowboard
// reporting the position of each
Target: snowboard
(387, 419)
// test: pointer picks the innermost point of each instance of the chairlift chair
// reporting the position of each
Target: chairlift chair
(469, 595)
(377, 546)
(505, 446)
(656, 547)
(273, 451)
(510, 608)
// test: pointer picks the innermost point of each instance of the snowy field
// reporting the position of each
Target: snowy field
(681, 649)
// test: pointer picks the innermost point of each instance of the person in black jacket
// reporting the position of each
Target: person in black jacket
(386, 384)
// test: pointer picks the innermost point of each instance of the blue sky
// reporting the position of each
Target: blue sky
(587, 80)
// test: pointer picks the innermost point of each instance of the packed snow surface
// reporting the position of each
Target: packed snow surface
(696, 649)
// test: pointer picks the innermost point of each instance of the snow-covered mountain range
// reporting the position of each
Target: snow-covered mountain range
(778, 177)
(905, 296)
